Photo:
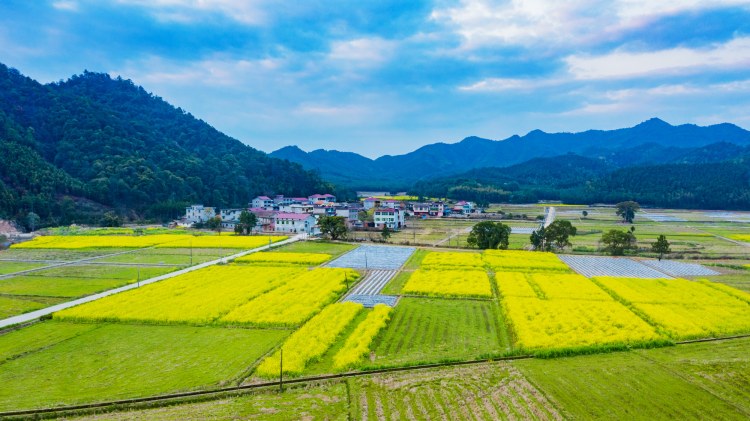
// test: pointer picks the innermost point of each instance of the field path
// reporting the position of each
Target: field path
(27, 317)
(448, 238)
(741, 243)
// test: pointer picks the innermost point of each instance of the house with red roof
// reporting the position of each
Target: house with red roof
(393, 218)
(295, 223)
(264, 202)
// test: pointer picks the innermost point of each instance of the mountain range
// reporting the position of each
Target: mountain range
(652, 142)
(74, 149)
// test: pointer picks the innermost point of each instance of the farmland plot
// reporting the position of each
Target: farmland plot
(558, 311)
(284, 259)
(683, 309)
(374, 257)
(523, 261)
(591, 266)
(200, 297)
(496, 392)
(431, 330)
(452, 260)
(125, 361)
(676, 268)
(449, 283)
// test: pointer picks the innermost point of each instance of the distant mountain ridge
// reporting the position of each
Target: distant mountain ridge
(650, 142)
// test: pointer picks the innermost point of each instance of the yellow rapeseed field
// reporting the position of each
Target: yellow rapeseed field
(311, 341)
(559, 311)
(684, 309)
(449, 260)
(357, 345)
(524, 261)
(449, 283)
(551, 324)
(267, 258)
(199, 297)
(140, 241)
(295, 301)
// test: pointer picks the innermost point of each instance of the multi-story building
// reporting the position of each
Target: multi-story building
(295, 223)
(328, 198)
(393, 218)
(264, 202)
(199, 213)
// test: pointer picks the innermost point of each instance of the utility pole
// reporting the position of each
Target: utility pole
(281, 370)
(139, 277)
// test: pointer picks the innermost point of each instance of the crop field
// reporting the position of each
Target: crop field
(567, 311)
(430, 330)
(284, 259)
(13, 267)
(523, 261)
(141, 241)
(684, 309)
(197, 297)
(295, 301)
(449, 283)
(317, 246)
(311, 341)
(449, 260)
(498, 391)
(96, 362)
(373, 257)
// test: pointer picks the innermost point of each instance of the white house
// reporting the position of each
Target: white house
(328, 198)
(199, 213)
(393, 218)
(264, 202)
(230, 214)
(295, 223)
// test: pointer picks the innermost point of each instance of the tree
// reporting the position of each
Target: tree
(585, 214)
(661, 246)
(558, 233)
(214, 224)
(32, 221)
(248, 220)
(489, 235)
(555, 235)
(333, 226)
(627, 210)
(385, 234)
(616, 242)
(537, 239)
(110, 219)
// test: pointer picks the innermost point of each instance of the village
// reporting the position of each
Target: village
(283, 214)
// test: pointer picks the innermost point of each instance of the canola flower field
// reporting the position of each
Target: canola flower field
(449, 283)
(72, 242)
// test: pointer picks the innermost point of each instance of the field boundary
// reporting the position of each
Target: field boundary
(298, 380)
(33, 315)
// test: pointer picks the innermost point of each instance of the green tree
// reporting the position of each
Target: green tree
(627, 210)
(385, 234)
(661, 246)
(333, 227)
(558, 234)
(110, 219)
(214, 224)
(616, 242)
(248, 221)
(32, 221)
(489, 235)
(585, 214)
(538, 239)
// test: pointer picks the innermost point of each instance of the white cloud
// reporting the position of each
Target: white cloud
(482, 23)
(361, 51)
(251, 12)
(68, 5)
(509, 84)
(734, 54)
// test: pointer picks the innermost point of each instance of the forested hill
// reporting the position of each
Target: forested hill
(73, 149)
(702, 178)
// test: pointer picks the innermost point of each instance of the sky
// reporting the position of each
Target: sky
(386, 77)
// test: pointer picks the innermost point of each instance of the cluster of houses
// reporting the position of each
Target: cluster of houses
(300, 214)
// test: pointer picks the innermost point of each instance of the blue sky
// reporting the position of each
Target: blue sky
(385, 77)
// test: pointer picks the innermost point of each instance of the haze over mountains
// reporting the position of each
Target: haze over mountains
(651, 142)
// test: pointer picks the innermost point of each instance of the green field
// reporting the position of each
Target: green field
(430, 330)
(122, 361)
(13, 267)
(13, 305)
(694, 381)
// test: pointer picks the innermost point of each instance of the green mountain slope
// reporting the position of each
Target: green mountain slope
(110, 142)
